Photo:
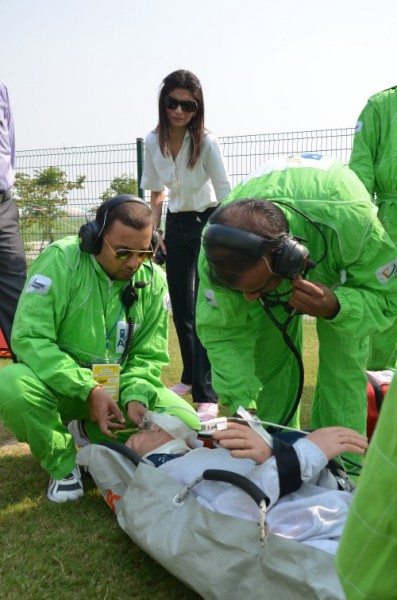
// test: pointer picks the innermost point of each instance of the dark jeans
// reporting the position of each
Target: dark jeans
(182, 240)
(12, 265)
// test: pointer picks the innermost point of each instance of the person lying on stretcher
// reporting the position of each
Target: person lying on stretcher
(305, 503)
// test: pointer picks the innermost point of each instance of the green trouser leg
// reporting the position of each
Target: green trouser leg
(383, 350)
(166, 401)
(277, 369)
(340, 397)
(35, 415)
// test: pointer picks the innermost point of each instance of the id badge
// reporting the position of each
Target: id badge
(108, 376)
(121, 336)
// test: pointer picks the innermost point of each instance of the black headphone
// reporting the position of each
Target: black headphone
(90, 234)
(289, 256)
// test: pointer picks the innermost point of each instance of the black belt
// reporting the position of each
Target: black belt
(4, 196)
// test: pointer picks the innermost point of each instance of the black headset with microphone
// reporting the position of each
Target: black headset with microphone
(91, 233)
(91, 240)
(289, 256)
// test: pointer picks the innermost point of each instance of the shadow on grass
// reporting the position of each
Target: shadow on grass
(73, 550)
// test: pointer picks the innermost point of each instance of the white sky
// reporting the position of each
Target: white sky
(83, 72)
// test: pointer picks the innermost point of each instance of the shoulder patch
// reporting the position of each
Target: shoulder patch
(210, 298)
(358, 127)
(39, 284)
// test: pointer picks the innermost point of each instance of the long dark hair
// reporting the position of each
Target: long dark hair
(188, 81)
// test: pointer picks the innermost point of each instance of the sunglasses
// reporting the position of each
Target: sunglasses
(123, 254)
(186, 105)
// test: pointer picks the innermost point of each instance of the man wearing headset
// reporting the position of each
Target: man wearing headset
(90, 335)
(306, 212)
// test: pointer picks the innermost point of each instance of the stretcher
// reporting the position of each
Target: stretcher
(216, 555)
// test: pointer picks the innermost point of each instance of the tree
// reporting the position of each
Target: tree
(125, 184)
(41, 199)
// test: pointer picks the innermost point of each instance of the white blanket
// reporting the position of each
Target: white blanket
(314, 514)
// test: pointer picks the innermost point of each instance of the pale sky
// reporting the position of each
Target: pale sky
(84, 72)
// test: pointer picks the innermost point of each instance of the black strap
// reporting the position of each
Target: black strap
(288, 467)
(239, 481)
(125, 451)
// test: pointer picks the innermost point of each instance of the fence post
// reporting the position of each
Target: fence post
(139, 160)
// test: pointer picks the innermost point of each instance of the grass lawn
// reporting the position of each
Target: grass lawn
(77, 550)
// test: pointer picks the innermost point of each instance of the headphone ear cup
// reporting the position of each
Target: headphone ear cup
(289, 260)
(90, 238)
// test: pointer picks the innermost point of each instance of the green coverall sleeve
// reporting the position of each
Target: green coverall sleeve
(366, 558)
(228, 332)
(37, 320)
(140, 378)
(365, 146)
(368, 299)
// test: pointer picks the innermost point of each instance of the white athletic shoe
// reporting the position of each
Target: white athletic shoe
(68, 488)
(181, 388)
(207, 410)
(76, 429)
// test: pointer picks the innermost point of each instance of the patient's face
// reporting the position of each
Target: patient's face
(148, 441)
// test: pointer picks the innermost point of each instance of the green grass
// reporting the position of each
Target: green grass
(77, 550)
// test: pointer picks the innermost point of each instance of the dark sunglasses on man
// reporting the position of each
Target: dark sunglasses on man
(123, 254)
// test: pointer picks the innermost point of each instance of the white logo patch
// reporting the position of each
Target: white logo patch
(39, 284)
(167, 302)
(358, 127)
(209, 295)
(387, 272)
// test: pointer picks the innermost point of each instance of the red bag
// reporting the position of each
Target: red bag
(378, 384)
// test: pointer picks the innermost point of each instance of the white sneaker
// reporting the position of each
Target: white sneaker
(68, 488)
(76, 430)
(181, 388)
(207, 410)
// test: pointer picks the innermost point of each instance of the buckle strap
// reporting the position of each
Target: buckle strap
(288, 467)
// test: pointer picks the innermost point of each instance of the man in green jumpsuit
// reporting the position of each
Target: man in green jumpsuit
(93, 300)
(374, 160)
(366, 559)
(352, 291)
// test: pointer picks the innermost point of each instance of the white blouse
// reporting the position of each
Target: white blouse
(189, 189)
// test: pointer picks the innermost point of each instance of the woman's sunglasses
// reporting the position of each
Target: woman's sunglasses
(123, 254)
(186, 105)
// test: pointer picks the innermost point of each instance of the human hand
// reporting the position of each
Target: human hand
(336, 440)
(243, 442)
(104, 411)
(136, 412)
(313, 299)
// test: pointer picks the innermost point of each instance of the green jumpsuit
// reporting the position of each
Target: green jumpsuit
(250, 362)
(374, 160)
(366, 559)
(69, 317)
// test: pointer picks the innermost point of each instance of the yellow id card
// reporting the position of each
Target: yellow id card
(108, 376)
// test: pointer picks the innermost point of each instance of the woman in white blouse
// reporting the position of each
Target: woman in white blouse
(183, 157)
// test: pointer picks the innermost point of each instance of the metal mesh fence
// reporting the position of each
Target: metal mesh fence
(102, 164)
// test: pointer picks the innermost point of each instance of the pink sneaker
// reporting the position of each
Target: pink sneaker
(207, 411)
(181, 388)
